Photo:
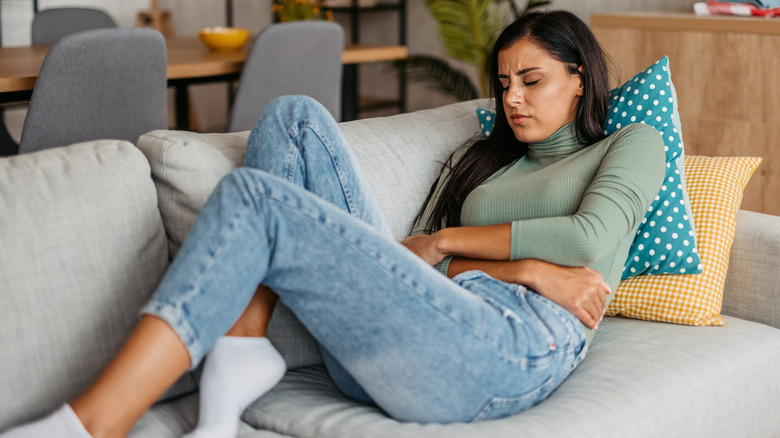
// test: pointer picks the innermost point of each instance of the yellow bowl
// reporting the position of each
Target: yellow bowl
(224, 38)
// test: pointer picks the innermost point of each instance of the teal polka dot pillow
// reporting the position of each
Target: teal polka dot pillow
(665, 242)
(486, 121)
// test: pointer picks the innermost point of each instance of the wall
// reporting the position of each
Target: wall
(17, 15)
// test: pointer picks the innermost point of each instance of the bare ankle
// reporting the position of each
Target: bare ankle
(253, 322)
(97, 425)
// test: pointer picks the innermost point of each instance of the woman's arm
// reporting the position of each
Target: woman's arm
(581, 290)
(490, 242)
(614, 203)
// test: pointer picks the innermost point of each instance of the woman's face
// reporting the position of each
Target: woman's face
(540, 95)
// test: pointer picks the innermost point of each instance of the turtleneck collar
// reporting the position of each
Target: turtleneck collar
(560, 144)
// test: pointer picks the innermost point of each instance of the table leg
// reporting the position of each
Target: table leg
(182, 104)
(349, 92)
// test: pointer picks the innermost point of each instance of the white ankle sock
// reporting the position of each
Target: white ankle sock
(237, 371)
(61, 423)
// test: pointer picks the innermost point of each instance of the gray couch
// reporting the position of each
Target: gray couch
(87, 231)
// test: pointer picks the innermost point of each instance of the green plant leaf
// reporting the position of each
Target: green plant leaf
(534, 4)
(439, 75)
(469, 28)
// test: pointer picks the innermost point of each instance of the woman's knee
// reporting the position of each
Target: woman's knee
(296, 108)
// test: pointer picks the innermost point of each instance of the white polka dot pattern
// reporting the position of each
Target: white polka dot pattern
(486, 120)
(715, 186)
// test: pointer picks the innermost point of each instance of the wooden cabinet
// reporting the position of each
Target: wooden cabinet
(727, 74)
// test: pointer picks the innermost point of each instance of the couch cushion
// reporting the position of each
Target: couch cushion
(177, 417)
(640, 379)
(81, 249)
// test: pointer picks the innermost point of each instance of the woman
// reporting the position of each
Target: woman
(533, 223)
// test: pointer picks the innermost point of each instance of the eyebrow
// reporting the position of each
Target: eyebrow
(521, 72)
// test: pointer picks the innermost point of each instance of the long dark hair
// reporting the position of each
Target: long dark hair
(565, 38)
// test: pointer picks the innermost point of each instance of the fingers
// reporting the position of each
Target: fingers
(594, 314)
(601, 295)
(582, 291)
(589, 320)
(595, 300)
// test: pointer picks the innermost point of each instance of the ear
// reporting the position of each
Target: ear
(581, 78)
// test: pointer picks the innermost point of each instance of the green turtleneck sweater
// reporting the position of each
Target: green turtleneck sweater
(572, 204)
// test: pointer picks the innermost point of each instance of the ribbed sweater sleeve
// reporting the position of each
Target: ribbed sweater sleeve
(625, 182)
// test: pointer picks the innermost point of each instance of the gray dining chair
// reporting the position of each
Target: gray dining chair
(302, 57)
(49, 25)
(103, 83)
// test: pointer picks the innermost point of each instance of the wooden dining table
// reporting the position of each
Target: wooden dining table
(189, 62)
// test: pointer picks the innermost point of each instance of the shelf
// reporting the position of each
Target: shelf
(360, 53)
(687, 21)
(377, 7)
(354, 104)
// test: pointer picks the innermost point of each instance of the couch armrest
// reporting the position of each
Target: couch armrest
(752, 288)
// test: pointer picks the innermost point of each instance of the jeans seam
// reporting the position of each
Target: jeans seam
(336, 164)
(174, 318)
(294, 152)
(195, 286)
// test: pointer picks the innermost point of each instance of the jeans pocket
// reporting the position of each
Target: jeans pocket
(499, 407)
(565, 328)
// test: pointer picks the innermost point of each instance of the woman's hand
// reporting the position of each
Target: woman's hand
(425, 246)
(581, 291)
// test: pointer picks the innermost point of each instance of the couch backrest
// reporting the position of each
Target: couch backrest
(403, 155)
(82, 247)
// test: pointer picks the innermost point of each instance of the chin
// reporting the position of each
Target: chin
(526, 137)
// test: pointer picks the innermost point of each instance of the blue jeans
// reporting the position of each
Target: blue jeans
(301, 219)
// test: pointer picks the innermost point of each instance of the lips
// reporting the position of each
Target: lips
(519, 119)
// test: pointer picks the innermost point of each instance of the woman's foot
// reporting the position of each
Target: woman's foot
(237, 371)
(62, 423)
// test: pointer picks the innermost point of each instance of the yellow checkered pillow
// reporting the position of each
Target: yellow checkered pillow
(715, 186)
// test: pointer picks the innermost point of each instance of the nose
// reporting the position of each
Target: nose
(514, 95)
